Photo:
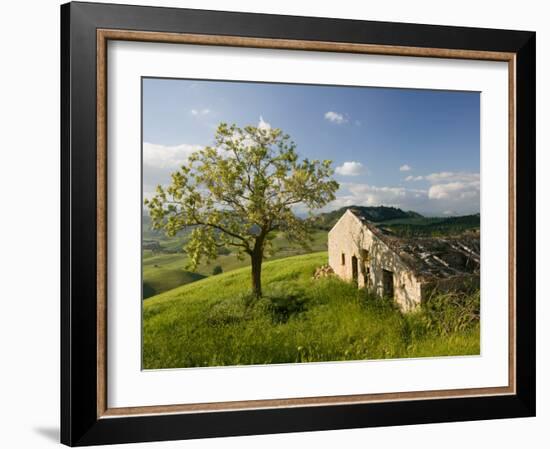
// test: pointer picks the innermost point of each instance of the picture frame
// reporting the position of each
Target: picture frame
(86, 28)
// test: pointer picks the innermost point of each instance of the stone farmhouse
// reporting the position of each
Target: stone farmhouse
(407, 270)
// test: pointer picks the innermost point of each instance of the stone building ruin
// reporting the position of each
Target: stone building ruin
(407, 270)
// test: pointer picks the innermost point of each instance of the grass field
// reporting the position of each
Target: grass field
(166, 270)
(211, 322)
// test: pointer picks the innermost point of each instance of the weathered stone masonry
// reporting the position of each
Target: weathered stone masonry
(405, 269)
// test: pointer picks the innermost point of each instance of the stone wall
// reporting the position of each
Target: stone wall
(351, 238)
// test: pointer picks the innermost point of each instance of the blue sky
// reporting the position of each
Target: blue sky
(414, 149)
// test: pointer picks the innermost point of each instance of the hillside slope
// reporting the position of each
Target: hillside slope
(164, 270)
(431, 226)
(208, 322)
(372, 213)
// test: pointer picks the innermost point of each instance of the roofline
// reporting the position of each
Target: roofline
(363, 224)
(420, 277)
(341, 218)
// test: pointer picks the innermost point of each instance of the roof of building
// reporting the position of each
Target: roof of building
(431, 258)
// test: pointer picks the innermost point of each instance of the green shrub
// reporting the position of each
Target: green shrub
(148, 291)
(285, 300)
(217, 270)
(226, 313)
(451, 312)
(223, 251)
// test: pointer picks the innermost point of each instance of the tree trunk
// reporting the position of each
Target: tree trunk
(257, 257)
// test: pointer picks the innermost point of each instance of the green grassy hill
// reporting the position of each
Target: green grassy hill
(327, 220)
(431, 226)
(403, 223)
(166, 270)
(211, 322)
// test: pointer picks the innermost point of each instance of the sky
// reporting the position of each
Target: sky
(408, 148)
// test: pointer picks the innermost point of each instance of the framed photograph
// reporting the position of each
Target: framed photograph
(281, 224)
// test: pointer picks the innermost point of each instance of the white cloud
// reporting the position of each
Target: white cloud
(263, 125)
(149, 191)
(405, 168)
(350, 168)
(200, 112)
(454, 186)
(414, 178)
(245, 141)
(448, 193)
(242, 140)
(448, 176)
(387, 196)
(357, 194)
(335, 117)
(454, 191)
(164, 157)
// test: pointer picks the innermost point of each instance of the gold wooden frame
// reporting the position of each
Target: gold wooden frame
(104, 35)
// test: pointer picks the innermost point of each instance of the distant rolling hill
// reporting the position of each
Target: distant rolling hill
(431, 226)
(164, 260)
(163, 272)
(373, 213)
(408, 224)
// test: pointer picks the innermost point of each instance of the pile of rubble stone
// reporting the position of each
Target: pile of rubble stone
(323, 272)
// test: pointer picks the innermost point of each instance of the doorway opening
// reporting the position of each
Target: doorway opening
(354, 269)
(387, 283)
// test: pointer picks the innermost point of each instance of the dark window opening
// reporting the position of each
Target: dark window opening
(387, 283)
(354, 269)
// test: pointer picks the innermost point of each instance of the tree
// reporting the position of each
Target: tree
(239, 191)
